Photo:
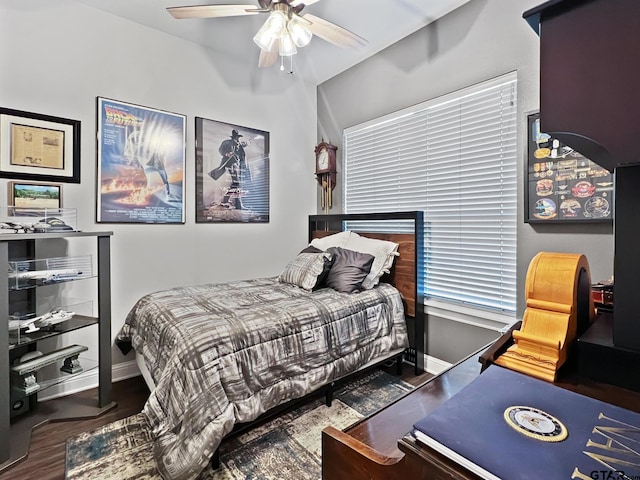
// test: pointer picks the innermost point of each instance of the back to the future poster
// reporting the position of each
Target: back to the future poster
(141, 163)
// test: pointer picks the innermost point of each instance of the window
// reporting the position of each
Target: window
(455, 158)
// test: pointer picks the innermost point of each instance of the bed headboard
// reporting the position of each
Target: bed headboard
(406, 272)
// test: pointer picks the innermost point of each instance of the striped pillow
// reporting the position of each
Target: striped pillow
(304, 270)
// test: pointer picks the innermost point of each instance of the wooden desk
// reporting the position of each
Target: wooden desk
(379, 447)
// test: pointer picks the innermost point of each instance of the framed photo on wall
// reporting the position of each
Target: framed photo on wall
(232, 173)
(141, 163)
(561, 184)
(34, 195)
(39, 147)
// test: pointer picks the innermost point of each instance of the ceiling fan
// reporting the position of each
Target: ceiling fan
(283, 31)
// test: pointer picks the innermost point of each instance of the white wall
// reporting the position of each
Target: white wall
(480, 40)
(57, 56)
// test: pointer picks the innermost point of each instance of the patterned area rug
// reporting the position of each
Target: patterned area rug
(286, 447)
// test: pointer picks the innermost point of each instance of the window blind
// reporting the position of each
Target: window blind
(455, 158)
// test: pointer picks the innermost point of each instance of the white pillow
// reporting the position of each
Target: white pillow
(336, 240)
(384, 252)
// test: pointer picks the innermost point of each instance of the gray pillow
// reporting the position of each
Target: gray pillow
(311, 249)
(349, 269)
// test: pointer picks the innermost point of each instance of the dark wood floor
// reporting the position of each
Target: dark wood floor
(408, 374)
(46, 457)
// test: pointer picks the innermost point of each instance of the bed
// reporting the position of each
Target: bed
(219, 356)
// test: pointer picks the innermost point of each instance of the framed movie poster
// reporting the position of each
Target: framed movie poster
(561, 184)
(232, 173)
(37, 147)
(141, 164)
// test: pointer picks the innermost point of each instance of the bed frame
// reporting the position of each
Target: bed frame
(405, 276)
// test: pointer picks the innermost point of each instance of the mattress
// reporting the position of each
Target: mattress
(222, 354)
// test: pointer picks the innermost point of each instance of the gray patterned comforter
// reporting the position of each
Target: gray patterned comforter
(223, 354)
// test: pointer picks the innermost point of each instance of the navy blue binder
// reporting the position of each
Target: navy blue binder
(507, 425)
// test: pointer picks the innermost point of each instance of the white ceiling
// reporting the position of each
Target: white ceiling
(380, 22)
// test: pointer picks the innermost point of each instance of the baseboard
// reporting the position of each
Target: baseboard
(434, 365)
(85, 381)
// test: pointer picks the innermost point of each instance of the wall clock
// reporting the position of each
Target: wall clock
(326, 172)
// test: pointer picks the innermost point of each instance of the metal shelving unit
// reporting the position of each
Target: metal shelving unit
(15, 433)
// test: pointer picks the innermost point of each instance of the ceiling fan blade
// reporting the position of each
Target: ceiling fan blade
(210, 11)
(268, 58)
(332, 33)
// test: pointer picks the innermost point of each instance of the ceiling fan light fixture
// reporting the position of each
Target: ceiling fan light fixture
(287, 45)
(264, 40)
(299, 33)
(272, 28)
(284, 30)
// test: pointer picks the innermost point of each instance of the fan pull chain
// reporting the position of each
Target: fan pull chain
(290, 72)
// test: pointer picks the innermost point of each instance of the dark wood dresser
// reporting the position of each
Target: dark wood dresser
(381, 447)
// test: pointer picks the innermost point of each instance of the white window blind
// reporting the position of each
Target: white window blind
(455, 158)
